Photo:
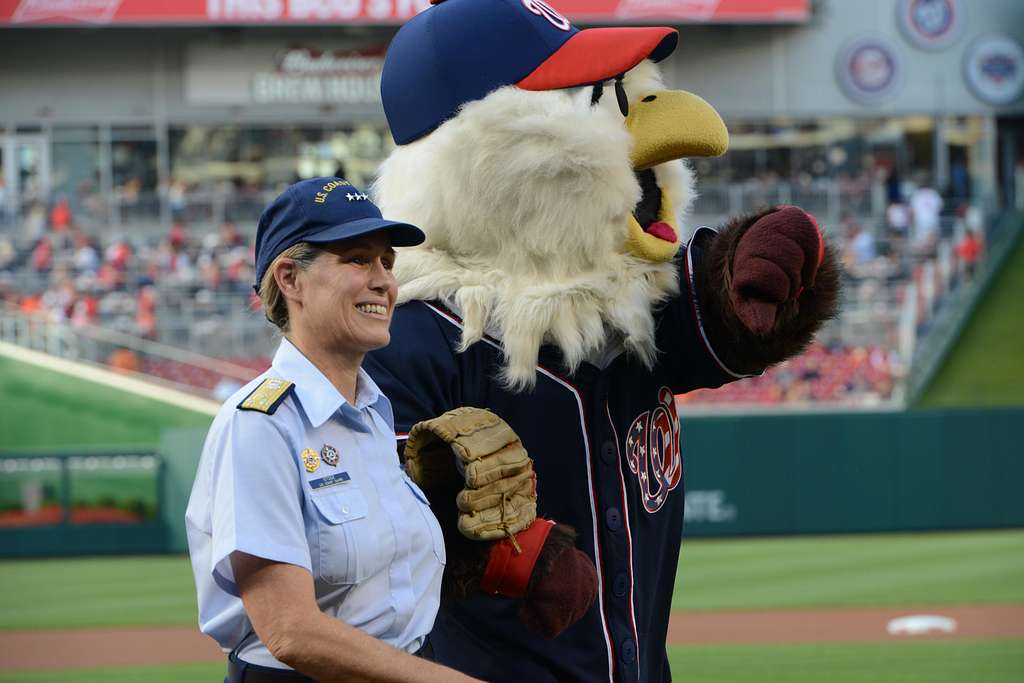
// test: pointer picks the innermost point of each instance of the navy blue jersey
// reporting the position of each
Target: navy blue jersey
(606, 449)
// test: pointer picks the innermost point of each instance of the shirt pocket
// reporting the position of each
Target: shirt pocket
(436, 537)
(341, 524)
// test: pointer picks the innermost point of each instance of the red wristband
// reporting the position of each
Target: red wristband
(508, 572)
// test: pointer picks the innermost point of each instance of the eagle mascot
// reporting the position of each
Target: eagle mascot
(546, 165)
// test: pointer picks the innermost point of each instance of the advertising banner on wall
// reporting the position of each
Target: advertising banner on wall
(269, 74)
(278, 12)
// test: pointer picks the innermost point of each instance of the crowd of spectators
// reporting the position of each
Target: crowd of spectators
(84, 275)
(831, 373)
(51, 267)
(882, 257)
(892, 249)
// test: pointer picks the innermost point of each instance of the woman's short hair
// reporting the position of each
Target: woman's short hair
(275, 307)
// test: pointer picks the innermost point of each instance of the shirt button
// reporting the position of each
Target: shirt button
(344, 510)
(613, 518)
(620, 585)
(628, 651)
(608, 452)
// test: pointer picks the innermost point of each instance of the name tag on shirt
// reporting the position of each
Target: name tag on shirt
(329, 480)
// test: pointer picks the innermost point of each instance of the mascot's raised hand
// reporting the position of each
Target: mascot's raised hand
(768, 282)
(471, 456)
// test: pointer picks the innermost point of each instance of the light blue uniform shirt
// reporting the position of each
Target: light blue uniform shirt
(362, 528)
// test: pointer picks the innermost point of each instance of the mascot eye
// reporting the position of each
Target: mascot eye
(620, 95)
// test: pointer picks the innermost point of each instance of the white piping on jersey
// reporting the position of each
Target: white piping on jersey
(590, 482)
(629, 536)
(696, 308)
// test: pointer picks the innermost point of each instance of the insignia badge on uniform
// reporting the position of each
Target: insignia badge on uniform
(267, 396)
(311, 459)
(329, 454)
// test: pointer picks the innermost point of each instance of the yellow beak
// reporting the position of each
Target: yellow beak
(672, 124)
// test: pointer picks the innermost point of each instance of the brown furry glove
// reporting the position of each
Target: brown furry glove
(554, 581)
(776, 259)
(562, 588)
(541, 566)
(765, 283)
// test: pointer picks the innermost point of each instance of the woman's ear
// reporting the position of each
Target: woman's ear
(286, 275)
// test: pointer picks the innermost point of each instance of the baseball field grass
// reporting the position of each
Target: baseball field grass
(922, 662)
(851, 571)
(175, 673)
(942, 662)
(767, 573)
(896, 570)
(986, 367)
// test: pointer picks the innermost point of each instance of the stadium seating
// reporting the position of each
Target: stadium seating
(193, 291)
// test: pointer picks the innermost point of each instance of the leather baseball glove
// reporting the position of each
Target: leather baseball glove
(499, 498)
(474, 452)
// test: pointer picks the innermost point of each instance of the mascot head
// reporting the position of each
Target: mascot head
(544, 163)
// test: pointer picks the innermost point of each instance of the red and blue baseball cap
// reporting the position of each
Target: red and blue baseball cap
(318, 211)
(459, 51)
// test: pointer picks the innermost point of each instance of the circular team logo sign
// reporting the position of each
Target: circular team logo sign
(931, 24)
(994, 69)
(869, 70)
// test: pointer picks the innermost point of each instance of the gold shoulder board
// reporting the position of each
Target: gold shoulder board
(267, 396)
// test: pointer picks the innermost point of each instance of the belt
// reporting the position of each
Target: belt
(244, 672)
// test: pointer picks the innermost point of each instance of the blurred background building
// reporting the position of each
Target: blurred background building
(140, 140)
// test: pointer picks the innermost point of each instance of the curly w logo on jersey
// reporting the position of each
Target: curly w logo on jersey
(652, 451)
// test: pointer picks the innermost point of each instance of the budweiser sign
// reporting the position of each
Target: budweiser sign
(304, 61)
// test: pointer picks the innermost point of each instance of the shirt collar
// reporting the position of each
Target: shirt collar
(319, 398)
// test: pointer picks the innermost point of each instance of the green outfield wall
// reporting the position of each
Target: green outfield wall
(795, 474)
(744, 475)
(948, 469)
(183, 446)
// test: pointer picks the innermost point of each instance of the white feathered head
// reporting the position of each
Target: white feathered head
(551, 214)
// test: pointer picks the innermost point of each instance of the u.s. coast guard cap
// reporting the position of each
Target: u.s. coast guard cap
(318, 211)
(459, 51)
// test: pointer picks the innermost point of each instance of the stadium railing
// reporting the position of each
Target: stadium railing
(962, 295)
(170, 365)
(826, 198)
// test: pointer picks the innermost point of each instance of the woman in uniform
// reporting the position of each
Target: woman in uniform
(315, 557)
